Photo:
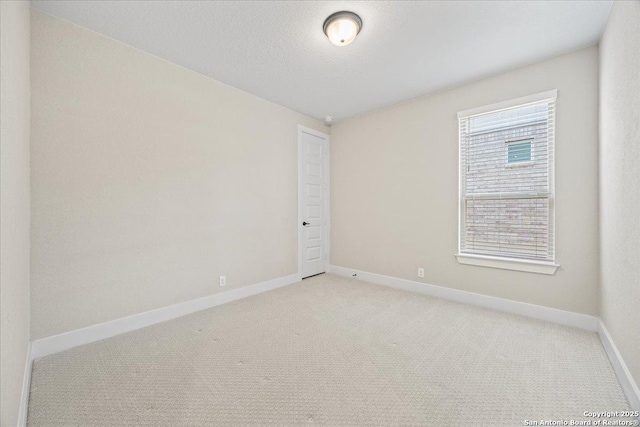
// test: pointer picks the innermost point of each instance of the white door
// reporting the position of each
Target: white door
(313, 201)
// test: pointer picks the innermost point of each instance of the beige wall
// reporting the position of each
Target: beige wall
(620, 180)
(149, 182)
(394, 187)
(14, 205)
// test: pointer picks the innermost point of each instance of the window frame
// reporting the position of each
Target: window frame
(509, 263)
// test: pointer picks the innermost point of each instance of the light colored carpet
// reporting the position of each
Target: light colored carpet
(330, 351)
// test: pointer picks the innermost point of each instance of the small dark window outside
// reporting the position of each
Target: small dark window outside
(519, 152)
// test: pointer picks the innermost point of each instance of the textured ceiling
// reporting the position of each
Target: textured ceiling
(277, 50)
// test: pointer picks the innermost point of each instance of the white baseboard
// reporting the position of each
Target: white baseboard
(54, 344)
(627, 382)
(26, 385)
(554, 315)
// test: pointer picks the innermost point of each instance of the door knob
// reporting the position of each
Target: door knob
(305, 223)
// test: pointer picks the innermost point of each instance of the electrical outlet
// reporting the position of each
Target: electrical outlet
(421, 272)
(223, 280)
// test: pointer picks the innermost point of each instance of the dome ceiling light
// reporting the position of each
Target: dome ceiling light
(342, 27)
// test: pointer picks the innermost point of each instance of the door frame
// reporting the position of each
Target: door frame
(326, 201)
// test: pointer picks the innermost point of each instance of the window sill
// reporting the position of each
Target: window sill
(540, 267)
(515, 165)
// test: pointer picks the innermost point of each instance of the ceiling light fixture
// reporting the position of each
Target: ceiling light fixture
(342, 27)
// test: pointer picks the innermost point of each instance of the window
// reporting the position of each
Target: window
(506, 185)
(518, 152)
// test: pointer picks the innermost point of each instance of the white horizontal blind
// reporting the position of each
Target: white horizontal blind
(506, 182)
